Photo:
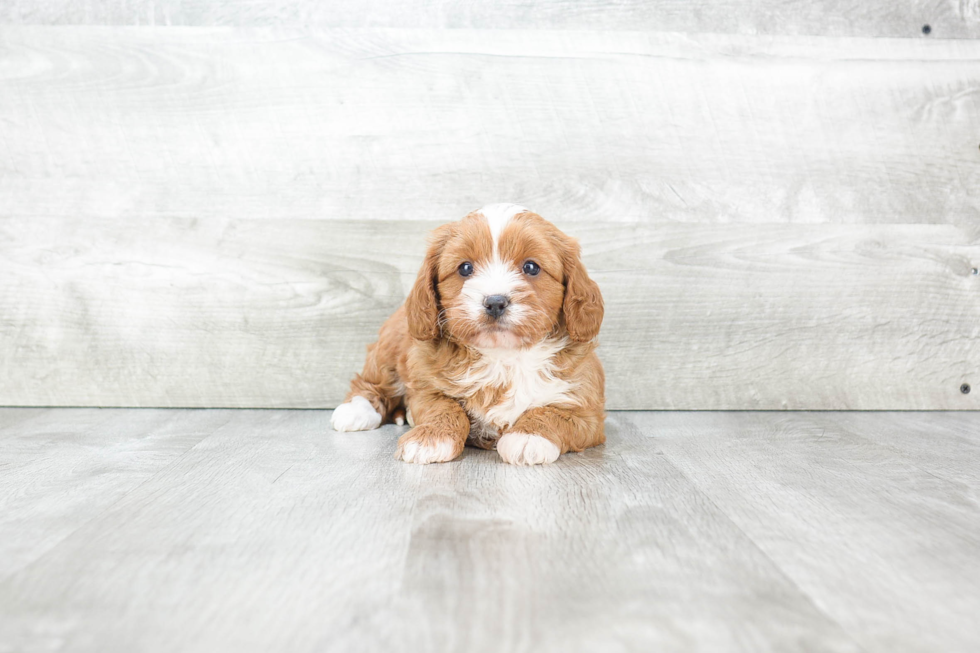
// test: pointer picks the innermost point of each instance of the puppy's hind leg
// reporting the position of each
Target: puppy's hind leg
(375, 393)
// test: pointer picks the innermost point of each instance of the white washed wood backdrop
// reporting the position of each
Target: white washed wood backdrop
(781, 205)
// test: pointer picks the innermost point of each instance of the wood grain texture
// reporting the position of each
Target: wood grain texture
(954, 19)
(685, 532)
(224, 217)
(886, 548)
(63, 468)
(277, 313)
(915, 436)
(241, 313)
(427, 124)
(275, 534)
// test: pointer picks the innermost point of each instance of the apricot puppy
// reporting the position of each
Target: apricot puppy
(494, 346)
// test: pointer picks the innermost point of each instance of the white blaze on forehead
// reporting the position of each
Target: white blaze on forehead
(495, 277)
(497, 216)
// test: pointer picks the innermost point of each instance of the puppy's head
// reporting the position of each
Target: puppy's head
(503, 277)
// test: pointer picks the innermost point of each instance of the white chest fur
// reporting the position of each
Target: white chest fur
(527, 377)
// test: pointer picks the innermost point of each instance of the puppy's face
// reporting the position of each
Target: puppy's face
(503, 277)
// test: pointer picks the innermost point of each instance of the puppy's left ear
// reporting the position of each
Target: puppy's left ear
(583, 302)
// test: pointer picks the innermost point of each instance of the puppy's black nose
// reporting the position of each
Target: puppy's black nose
(496, 305)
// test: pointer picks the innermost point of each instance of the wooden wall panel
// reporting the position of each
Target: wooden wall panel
(950, 19)
(169, 312)
(224, 216)
(414, 124)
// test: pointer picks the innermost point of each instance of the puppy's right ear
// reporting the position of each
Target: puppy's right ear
(422, 304)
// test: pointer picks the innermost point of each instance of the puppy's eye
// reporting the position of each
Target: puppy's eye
(465, 269)
(531, 268)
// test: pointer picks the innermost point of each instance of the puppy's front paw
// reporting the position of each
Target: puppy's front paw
(519, 448)
(356, 415)
(424, 445)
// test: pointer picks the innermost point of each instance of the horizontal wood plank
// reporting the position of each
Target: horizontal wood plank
(383, 124)
(827, 17)
(240, 313)
(223, 217)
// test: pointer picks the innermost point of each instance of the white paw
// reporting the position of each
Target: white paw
(356, 415)
(519, 448)
(425, 444)
(422, 454)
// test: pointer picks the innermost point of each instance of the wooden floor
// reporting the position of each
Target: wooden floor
(262, 530)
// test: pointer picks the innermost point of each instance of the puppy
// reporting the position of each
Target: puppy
(494, 346)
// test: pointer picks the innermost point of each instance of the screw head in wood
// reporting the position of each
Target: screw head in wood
(965, 388)
(926, 29)
(974, 271)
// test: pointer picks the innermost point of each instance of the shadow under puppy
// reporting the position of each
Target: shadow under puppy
(495, 346)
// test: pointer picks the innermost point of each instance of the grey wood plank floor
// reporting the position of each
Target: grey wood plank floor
(255, 530)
